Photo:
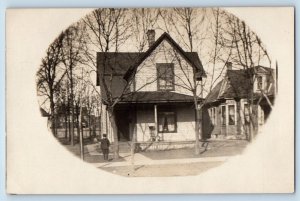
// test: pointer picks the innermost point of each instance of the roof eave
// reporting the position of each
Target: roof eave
(156, 101)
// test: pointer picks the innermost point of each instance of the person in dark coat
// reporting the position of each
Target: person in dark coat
(105, 147)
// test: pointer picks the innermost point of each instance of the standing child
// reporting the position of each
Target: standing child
(105, 147)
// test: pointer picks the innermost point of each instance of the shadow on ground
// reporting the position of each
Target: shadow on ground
(207, 149)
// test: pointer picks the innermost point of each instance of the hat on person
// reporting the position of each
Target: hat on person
(104, 135)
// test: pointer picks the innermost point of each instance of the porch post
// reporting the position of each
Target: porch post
(155, 120)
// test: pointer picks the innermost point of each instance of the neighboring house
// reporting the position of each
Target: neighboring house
(44, 113)
(226, 110)
(157, 105)
(63, 120)
(47, 115)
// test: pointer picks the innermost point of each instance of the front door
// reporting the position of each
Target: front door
(122, 120)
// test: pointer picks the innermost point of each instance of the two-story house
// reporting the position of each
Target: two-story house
(155, 89)
(227, 112)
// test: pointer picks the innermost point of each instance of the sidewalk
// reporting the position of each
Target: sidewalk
(219, 152)
(139, 160)
(175, 162)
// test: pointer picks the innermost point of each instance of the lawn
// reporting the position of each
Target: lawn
(217, 148)
(207, 149)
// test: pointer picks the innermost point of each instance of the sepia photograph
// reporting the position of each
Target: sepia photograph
(144, 93)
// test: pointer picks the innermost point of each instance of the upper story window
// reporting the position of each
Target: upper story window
(259, 82)
(165, 76)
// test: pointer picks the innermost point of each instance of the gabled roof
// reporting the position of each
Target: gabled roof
(261, 69)
(238, 84)
(122, 65)
(192, 57)
(156, 97)
(44, 113)
(213, 95)
(116, 63)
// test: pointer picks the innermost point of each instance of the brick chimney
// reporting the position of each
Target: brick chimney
(229, 65)
(151, 36)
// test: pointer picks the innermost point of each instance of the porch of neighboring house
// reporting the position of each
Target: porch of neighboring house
(156, 124)
(230, 119)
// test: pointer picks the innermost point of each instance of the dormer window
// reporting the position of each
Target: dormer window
(165, 76)
(259, 82)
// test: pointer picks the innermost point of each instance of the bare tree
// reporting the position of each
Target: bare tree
(49, 76)
(73, 48)
(186, 23)
(63, 103)
(108, 30)
(143, 19)
(247, 51)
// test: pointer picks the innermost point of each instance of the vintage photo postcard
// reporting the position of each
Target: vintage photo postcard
(150, 100)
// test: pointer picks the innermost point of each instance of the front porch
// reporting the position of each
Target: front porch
(156, 117)
(155, 122)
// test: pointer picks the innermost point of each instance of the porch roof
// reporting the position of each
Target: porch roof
(157, 97)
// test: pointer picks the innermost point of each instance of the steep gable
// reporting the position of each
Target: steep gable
(237, 84)
(118, 67)
(192, 57)
(214, 94)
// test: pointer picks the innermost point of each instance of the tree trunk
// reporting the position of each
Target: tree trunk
(66, 126)
(132, 130)
(78, 128)
(69, 128)
(115, 133)
(53, 119)
(90, 126)
(80, 134)
(100, 125)
(72, 113)
(132, 148)
(251, 129)
(100, 119)
(239, 119)
(197, 131)
(72, 127)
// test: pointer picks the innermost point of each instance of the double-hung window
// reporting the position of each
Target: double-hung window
(165, 76)
(231, 114)
(246, 114)
(223, 115)
(213, 116)
(167, 122)
(259, 82)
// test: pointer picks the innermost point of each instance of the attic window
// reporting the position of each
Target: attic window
(165, 76)
(259, 82)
